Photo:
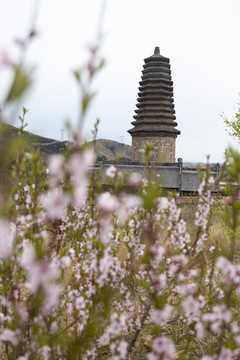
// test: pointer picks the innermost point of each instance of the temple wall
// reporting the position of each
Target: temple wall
(163, 148)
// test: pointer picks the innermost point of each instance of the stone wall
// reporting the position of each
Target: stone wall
(163, 148)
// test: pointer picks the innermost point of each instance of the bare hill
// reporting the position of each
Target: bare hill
(106, 149)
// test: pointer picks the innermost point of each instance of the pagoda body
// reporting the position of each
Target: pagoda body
(155, 114)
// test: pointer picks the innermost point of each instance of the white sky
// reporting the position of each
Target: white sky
(201, 38)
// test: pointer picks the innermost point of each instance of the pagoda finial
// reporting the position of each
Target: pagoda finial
(157, 51)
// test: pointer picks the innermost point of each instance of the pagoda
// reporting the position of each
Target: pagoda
(155, 114)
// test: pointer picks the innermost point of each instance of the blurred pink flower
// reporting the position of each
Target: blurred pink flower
(164, 347)
(135, 180)
(151, 356)
(160, 317)
(192, 308)
(52, 293)
(107, 202)
(127, 202)
(80, 303)
(111, 171)
(200, 331)
(122, 349)
(80, 193)
(77, 135)
(55, 166)
(4, 58)
(7, 235)
(40, 273)
(78, 164)
(10, 336)
(162, 203)
(55, 203)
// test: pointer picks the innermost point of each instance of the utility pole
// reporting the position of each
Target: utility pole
(62, 134)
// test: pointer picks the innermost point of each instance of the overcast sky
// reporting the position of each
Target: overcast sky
(201, 38)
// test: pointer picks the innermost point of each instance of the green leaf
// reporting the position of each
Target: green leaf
(21, 83)
(86, 99)
(77, 75)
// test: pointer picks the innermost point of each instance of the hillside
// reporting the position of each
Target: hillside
(106, 149)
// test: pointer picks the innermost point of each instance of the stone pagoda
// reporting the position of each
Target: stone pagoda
(155, 114)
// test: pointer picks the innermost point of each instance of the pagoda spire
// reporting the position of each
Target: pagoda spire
(155, 114)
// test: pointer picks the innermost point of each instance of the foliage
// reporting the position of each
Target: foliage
(84, 273)
(233, 125)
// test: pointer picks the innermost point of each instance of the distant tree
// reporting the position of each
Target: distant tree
(233, 125)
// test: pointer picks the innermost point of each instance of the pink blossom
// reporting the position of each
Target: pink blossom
(4, 59)
(225, 354)
(105, 232)
(234, 327)
(80, 303)
(24, 357)
(237, 339)
(111, 171)
(231, 272)
(55, 166)
(52, 293)
(164, 347)
(222, 313)
(151, 356)
(46, 352)
(39, 271)
(65, 262)
(104, 339)
(77, 135)
(192, 273)
(10, 336)
(122, 349)
(192, 309)
(80, 193)
(199, 328)
(22, 311)
(162, 281)
(128, 202)
(55, 203)
(134, 180)
(160, 317)
(93, 48)
(78, 164)
(28, 257)
(107, 202)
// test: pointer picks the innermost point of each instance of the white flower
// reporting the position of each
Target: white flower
(7, 236)
(162, 203)
(55, 166)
